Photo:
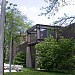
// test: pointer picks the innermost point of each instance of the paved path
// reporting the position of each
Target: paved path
(11, 71)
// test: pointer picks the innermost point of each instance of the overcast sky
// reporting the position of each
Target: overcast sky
(31, 8)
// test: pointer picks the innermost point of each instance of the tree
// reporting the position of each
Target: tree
(2, 22)
(56, 55)
(15, 23)
(20, 59)
(50, 7)
(53, 8)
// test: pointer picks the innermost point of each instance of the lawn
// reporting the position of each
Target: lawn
(33, 72)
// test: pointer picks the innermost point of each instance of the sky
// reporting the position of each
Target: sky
(31, 8)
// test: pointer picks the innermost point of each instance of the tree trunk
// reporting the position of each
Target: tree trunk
(2, 20)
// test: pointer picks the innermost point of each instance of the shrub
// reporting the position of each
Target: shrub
(56, 55)
(20, 58)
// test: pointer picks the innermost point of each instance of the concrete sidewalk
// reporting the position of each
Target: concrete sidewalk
(11, 71)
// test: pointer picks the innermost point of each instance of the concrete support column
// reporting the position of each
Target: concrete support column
(28, 57)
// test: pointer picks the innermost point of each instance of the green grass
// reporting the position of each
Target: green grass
(33, 72)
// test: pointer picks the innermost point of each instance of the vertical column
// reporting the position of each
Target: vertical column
(28, 57)
(28, 38)
(38, 33)
(56, 34)
(2, 22)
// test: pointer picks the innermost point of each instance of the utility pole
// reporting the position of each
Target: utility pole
(2, 22)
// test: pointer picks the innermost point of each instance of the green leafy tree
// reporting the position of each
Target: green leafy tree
(15, 23)
(20, 58)
(56, 55)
